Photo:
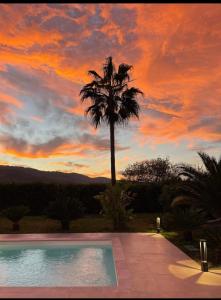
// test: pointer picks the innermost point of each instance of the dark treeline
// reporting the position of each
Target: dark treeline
(37, 196)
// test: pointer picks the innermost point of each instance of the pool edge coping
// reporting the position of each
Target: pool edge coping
(123, 277)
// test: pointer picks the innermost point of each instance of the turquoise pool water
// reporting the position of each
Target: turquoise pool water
(57, 264)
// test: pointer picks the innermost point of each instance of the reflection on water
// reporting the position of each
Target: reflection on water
(70, 265)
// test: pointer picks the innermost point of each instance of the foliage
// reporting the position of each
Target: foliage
(213, 235)
(146, 197)
(204, 186)
(15, 214)
(38, 195)
(153, 170)
(185, 220)
(115, 200)
(182, 201)
(169, 191)
(65, 209)
(167, 221)
(111, 98)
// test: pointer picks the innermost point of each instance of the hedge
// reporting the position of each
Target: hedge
(38, 195)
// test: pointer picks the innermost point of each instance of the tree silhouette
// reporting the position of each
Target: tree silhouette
(112, 101)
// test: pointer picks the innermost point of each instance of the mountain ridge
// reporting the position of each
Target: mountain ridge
(16, 174)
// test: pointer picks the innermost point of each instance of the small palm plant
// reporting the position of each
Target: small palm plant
(15, 214)
(65, 209)
(204, 186)
(115, 200)
(112, 101)
(187, 219)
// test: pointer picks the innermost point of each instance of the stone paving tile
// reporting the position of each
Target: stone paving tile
(148, 266)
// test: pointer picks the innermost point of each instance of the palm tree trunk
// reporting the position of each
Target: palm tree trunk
(112, 145)
(15, 226)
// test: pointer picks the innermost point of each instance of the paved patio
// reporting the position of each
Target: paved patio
(148, 266)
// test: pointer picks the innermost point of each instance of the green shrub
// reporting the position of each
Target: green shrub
(187, 220)
(213, 235)
(15, 214)
(146, 197)
(65, 209)
(167, 222)
(115, 200)
(170, 190)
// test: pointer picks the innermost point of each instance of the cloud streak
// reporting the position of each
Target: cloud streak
(47, 49)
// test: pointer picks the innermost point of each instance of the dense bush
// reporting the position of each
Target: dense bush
(146, 197)
(170, 190)
(184, 220)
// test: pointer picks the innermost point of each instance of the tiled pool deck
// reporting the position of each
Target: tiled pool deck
(148, 266)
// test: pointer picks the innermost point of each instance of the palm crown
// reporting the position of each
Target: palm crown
(112, 101)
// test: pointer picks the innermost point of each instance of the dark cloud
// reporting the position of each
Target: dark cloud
(57, 6)
(30, 20)
(172, 103)
(209, 123)
(20, 145)
(95, 46)
(124, 18)
(206, 146)
(30, 84)
(100, 143)
(160, 114)
(96, 21)
(61, 24)
(49, 146)
(72, 164)
(17, 144)
(23, 147)
(44, 90)
(70, 11)
(75, 13)
(20, 126)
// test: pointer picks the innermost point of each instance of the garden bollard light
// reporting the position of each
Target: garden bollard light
(158, 224)
(203, 256)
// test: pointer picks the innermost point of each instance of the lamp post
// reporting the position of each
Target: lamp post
(158, 224)
(203, 256)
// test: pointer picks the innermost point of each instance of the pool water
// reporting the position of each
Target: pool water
(57, 264)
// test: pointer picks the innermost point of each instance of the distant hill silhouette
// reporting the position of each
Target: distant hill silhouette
(9, 174)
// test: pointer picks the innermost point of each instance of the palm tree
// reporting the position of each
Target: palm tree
(204, 186)
(112, 101)
(15, 214)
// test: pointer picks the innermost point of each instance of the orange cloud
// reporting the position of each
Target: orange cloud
(10, 100)
(47, 50)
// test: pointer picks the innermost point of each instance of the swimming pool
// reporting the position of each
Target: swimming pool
(57, 264)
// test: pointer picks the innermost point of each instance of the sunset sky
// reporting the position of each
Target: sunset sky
(46, 51)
